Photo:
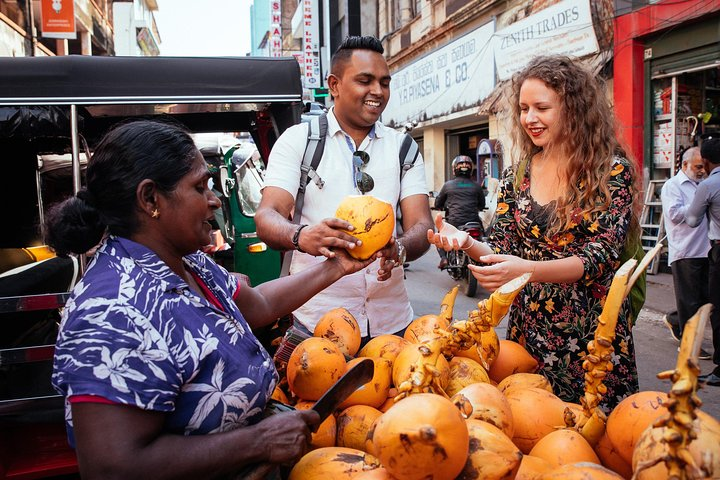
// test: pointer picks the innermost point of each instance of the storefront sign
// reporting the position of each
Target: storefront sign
(456, 76)
(565, 28)
(275, 37)
(58, 19)
(311, 46)
(147, 43)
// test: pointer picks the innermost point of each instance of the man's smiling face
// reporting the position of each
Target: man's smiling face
(361, 89)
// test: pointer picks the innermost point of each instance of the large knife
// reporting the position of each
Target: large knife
(360, 374)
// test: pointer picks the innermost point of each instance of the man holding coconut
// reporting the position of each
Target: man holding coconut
(360, 157)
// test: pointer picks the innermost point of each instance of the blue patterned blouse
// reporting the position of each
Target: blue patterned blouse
(134, 333)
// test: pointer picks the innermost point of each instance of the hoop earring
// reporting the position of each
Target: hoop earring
(155, 213)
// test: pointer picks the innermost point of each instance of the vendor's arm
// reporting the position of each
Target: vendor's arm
(268, 301)
(119, 441)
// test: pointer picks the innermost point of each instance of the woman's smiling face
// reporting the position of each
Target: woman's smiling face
(190, 208)
(540, 112)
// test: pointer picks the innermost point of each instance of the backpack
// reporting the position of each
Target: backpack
(317, 131)
(633, 249)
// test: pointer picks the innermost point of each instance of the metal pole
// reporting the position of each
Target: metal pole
(325, 60)
(75, 149)
(74, 138)
(30, 29)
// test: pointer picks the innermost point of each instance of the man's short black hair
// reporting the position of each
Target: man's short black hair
(710, 150)
(346, 48)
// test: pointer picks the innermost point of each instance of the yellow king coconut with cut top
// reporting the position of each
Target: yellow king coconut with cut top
(374, 222)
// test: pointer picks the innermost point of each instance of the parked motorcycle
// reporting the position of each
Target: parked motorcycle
(458, 260)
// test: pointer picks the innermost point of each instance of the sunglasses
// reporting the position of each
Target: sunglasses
(363, 181)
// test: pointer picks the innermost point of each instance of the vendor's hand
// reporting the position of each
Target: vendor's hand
(448, 237)
(327, 237)
(286, 435)
(348, 264)
(389, 259)
(499, 269)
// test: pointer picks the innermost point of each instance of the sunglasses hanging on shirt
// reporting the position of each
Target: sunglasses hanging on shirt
(363, 181)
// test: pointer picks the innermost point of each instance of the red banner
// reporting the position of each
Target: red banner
(58, 18)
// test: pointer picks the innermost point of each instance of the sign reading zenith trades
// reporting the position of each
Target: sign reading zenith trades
(565, 28)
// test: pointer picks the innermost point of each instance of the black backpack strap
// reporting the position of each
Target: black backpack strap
(409, 152)
(407, 155)
(317, 131)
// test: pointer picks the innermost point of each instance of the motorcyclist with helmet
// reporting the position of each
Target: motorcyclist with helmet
(461, 198)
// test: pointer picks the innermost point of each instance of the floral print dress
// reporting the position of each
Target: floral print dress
(555, 321)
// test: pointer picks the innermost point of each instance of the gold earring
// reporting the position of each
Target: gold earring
(155, 213)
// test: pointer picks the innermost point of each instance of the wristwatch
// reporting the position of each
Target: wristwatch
(402, 254)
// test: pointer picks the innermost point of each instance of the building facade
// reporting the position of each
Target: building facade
(23, 33)
(135, 31)
(452, 62)
(668, 54)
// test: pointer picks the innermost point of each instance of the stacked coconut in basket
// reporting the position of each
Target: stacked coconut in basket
(450, 400)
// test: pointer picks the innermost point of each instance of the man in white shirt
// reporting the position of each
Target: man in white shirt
(359, 83)
(705, 209)
(687, 247)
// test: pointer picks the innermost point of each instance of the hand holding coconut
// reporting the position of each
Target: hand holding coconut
(372, 222)
(326, 237)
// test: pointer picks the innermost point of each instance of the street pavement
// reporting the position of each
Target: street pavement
(655, 349)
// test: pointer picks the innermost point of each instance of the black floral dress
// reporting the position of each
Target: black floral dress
(555, 321)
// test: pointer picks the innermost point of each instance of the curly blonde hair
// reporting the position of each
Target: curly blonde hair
(587, 131)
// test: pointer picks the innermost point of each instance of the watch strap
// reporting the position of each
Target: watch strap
(402, 252)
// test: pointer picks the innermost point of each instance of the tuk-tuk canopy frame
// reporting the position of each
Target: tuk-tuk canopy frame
(55, 103)
(85, 80)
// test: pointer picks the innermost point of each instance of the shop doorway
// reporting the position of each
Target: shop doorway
(685, 109)
(464, 142)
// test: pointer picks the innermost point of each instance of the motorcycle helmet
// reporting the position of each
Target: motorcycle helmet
(462, 166)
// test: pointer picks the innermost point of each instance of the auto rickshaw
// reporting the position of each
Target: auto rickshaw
(53, 110)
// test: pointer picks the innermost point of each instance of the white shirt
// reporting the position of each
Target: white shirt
(683, 240)
(378, 307)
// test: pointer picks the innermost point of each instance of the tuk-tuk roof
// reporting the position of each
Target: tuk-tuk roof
(83, 80)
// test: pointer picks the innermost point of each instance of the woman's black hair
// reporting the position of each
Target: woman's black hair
(128, 154)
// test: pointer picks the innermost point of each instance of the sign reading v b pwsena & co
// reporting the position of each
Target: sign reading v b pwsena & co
(58, 19)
